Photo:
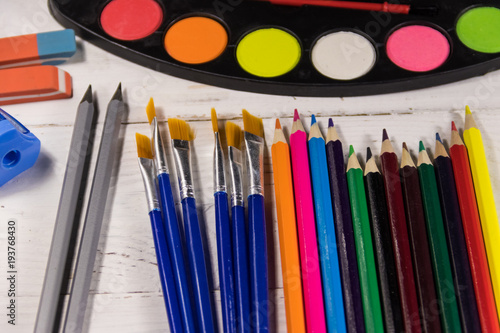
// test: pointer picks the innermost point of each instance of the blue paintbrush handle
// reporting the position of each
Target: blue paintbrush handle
(258, 263)
(224, 250)
(178, 257)
(198, 266)
(241, 263)
(165, 269)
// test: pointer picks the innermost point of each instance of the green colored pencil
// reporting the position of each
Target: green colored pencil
(364, 247)
(445, 289)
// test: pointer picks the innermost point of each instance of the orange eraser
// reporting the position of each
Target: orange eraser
(34, 83)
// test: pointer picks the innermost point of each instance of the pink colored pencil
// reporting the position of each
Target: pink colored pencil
(308, 246)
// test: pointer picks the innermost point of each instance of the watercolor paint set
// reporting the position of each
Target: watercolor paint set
(296, 47)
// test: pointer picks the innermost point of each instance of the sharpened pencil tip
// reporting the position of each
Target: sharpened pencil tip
(467, 110)
(313, 120)
(278, 124)
(421, 146)
(438, 138)
(453, 127)
(368, 153)
(351, 150)
(88, 96)
(405, 147)
(384, 135)
(296, 115)
(118, 93)
(330, 122)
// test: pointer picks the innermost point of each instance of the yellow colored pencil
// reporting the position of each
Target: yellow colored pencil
(289, 244)
(485, 200)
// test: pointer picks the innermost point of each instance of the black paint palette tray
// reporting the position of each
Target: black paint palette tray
(285, 48)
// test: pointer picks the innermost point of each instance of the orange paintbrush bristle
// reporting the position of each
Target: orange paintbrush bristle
(180, 130)
(253, 124)
(143, 146)
(150, 110)
(233, 135)
(215, 125)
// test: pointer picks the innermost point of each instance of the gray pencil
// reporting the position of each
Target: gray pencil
(65, 220)
(77, 304)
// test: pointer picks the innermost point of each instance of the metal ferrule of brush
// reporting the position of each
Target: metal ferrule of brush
(255, 163)
(160, 157)
(147, 168)
(182, 158)
(219, 173)
(236, 170)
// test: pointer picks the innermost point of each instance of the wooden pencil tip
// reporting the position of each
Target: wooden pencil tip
(421, 146)
(384, 135)
(296, 115)
(351, 150)
(330, 122)
(368, 153)
(405, 147)
(313, 120)
(467, 110)
(438, 138)
(453, 127)
(278, 124)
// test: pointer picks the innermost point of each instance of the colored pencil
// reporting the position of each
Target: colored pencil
(364, 246)
(84, 268)
(459, 260)
(171, 222)
(311, 272)
(384, 256)
(66, 219)
(353, 306)
(332, 288)
(450, 319)
(473, 234)
(146, 165)
(287, 227)
(254, 142)
(223, 231)
(399, 233)
(181, 135)
(239, 235)
(485, 200)
(424, 279)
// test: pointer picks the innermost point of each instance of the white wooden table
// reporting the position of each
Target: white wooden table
(125, 293)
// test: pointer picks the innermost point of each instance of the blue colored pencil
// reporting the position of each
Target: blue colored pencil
(332, 289)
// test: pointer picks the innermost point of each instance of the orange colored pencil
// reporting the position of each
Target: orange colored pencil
(285, 209)
(473, 234)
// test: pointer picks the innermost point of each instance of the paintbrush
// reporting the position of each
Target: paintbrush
(146, 165)
(254, 141)
(170, 222)
(223, 231)
(239, 232)
(181, 135)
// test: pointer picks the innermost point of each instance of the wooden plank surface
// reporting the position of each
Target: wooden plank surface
(125, 292)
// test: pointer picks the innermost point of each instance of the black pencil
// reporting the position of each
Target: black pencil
(345, 234)
(466, 298)
(384, 256)
(426, 290)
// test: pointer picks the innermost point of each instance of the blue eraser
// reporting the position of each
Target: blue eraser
(56, 46)
(19, 148)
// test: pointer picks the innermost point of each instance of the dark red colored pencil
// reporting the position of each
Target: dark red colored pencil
(426, 289)
(345, 234)
(399, 232)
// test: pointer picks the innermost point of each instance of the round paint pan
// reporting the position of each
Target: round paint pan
(268, 52)
(343, 55)
(478, 28)
(131, 19)
(196, 39)
(418, 48)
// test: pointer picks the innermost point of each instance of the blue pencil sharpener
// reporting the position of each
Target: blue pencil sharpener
(19, 148)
